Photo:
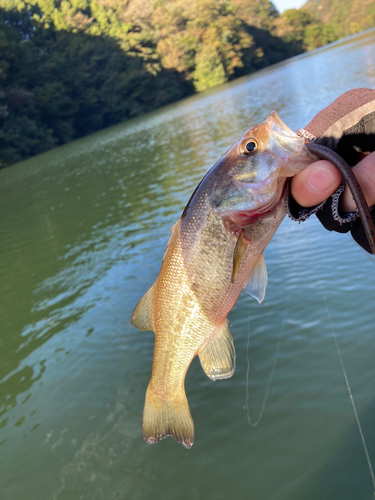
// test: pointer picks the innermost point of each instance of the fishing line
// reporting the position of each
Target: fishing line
(274, 362)
(270, 378)
(344, 372)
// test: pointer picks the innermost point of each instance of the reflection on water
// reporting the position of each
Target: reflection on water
(83, 231)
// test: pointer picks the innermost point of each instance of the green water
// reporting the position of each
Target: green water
(82, 232)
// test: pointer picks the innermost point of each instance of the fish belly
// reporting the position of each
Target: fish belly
(181, 330)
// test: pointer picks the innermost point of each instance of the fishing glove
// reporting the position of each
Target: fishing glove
(347, 126)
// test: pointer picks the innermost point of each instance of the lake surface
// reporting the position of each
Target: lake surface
(82, 233)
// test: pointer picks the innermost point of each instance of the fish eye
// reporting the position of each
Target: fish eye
(249, 146)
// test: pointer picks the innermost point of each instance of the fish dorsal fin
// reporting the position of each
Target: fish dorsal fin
(141, 317)
(173, 235)
(218, 358)
(239, 250)
(256, 286)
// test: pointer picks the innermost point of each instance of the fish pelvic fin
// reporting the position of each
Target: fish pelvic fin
(218, 357)
(257, 284)
(141, 317)
(167, 417)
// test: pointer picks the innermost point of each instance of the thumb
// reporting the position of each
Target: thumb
(315, 183)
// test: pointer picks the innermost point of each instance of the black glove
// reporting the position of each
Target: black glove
(348, 127)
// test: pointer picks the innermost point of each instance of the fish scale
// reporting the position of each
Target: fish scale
(215, 250)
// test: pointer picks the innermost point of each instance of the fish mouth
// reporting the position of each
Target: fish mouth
(243, 218)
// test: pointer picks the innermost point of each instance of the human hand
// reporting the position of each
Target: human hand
(321, 179)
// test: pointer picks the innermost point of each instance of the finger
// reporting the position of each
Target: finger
(365, 173)
(315, 183)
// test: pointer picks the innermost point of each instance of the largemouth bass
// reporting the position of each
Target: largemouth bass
(215, 251)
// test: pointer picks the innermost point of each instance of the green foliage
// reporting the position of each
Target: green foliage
(303, 30)
(71, 67)
(209, 71)
(346, 17)
(61, 85)
(258, 13)
(202, 39)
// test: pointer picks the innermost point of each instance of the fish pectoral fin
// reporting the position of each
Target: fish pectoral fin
(239, 250)
(218, 358)
(167, 417)
(257, 284)
(141, 317)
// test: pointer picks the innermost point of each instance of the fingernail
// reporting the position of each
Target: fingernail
(320, 179)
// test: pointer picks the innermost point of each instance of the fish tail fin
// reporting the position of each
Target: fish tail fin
(167, 417)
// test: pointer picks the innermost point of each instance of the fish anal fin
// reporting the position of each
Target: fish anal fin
(257, 284)
(141, 317)
(167, 417)
(218, 358)
(239, 250)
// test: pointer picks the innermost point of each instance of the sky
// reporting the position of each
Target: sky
(282, 5)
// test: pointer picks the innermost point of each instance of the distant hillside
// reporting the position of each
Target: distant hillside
(71, 67)
(346, 16)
